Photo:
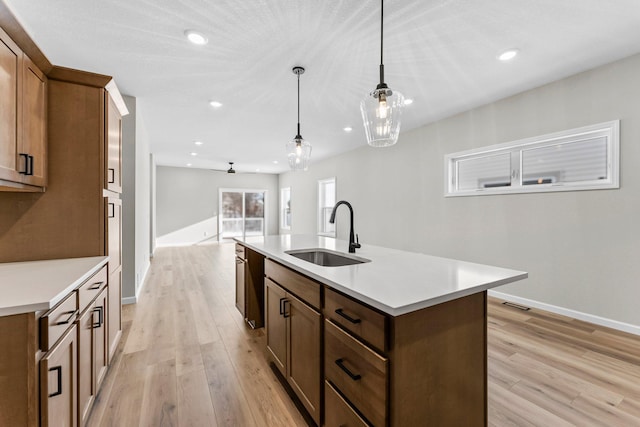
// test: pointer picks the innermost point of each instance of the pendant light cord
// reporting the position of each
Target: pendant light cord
(382, 84)
(298, 135)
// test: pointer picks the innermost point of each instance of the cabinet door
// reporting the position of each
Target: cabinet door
(240, 285)
(58, 382)
(276, 325)
(114, 147)
(114, 233)
(33, 141)
(86, 352)
(303, 371)
(100, 337)
(114, 310)
(10, 67)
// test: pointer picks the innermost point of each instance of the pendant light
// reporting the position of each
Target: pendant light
(382, 109)
(298, 150)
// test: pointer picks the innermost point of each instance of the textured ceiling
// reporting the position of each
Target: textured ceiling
(441, 53)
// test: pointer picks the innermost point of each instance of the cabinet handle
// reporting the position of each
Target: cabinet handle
(112, 210)
(30, 168)
(58, 370)
(72, 314)
(26, 164)
(112, 180)
(355, 377)
(281, 309)
(339, 312)
(284, 309)
(100, 311)
(96, 286)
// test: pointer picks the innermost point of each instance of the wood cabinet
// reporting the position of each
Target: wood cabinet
(114, 147)
(250, 285)
(58, 382)
(23, 131)
(293, 329)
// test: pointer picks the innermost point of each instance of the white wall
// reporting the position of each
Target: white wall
(580, 248)
(136, 214)
(187, 202)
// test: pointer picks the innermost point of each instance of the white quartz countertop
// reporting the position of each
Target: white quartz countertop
(40, 285)
(395, 282)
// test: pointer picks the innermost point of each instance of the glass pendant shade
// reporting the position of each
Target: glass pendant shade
(298, 154)
(381, 114)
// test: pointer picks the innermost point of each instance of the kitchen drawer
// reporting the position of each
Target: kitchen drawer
(358, 372)
(56, 321)
(91, 288)
(240, 251)
(337, 412)
(356, 318)
(302, 287)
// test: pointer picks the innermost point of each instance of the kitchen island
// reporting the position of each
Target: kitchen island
(398, 338)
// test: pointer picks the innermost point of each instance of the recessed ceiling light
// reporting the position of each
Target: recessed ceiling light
(194, 154)
(198, 142)
(275, 162)
(196, 37)
(257, 170)
(348, 129)
(508, 55)
(408, 101)
(215, 104)
(189, 164)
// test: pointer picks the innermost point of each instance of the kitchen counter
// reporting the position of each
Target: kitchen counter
(395, 282)
(34, 286)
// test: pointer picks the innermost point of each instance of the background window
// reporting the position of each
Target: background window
(326, 201)
(285, 208)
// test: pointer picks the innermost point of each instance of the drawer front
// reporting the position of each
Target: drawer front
(356, 318)
(56, 321)
(91, 288)
(302, 287)
(240, 251)
(358, 372)
(337, 412)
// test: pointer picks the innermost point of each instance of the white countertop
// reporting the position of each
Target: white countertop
(395, 282)
(40, 285)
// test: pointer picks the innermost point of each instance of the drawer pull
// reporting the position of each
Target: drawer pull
(339, 312)
(355, 377)
(96, 286)
(71, 314)
(58, 370)
(100, 311)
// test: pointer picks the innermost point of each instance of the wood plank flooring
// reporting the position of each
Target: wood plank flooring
(187, 359)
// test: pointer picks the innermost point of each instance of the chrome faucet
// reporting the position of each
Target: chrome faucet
(353, 242)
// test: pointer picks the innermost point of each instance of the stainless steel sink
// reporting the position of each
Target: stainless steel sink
(326, 258)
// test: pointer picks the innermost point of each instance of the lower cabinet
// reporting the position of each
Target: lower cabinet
(92, 353)
(114, 308)
(58, 382)
(294, 343)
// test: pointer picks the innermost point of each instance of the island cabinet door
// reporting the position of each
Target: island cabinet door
(304, 353)
(58, 380)
(276, 325)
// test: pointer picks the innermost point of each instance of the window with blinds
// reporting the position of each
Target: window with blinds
(586, 158)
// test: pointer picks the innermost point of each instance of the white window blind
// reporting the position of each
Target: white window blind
(586, 158)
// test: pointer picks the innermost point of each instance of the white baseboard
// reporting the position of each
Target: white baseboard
(134, 299)
(597, 320)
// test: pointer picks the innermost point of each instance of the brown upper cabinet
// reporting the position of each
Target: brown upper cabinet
(23, 120)
(114, 147)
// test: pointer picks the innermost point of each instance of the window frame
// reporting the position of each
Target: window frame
(283, 226)
(319, 208)
(609, 130)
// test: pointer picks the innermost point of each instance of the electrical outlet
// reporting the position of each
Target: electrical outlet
(205, 234)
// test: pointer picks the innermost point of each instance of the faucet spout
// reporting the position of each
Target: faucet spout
(353, 241)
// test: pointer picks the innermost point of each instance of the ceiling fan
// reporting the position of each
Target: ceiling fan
(230, 170)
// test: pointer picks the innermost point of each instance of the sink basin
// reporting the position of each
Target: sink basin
(326, 258)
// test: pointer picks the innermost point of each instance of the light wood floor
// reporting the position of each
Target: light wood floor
(187, 359)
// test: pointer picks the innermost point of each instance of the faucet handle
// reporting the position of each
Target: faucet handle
(357, 243)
